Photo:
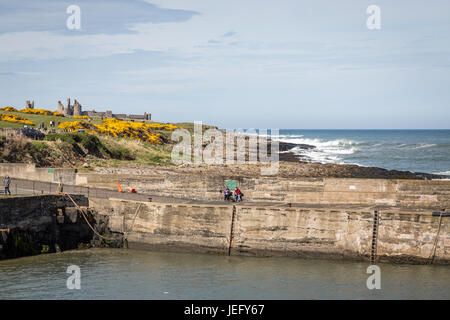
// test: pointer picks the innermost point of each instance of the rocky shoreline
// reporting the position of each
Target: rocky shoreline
(287, 155)
(348, 170)
(291, 166)
(287, 169)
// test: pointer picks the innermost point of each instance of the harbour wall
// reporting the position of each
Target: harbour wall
(31, 225)
(30, 172)
(407, 236)
(388, 192)
(48, 223)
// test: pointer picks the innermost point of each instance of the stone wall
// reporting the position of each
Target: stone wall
(386, 192)
(176, 227)
(404, 236)
(44, 224)
(30, 172)
(347, 191)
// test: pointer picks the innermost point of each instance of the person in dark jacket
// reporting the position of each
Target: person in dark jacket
(7, 182)
(226, 193)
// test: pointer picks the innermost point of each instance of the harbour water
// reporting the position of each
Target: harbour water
(136, 274)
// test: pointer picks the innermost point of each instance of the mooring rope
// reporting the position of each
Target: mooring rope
(125, 233)
(85, 217)
(436, 239)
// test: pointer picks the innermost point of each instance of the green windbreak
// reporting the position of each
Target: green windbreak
(232, 184)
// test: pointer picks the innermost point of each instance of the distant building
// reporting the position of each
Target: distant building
(70, 110)
(29, 105)
(76, 110)
(93, 113)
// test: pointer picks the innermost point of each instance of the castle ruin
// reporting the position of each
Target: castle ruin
(76, 110)
(29, 105)
(70, 110)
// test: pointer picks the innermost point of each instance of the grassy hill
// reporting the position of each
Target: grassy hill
(83, 150)
(37, 119)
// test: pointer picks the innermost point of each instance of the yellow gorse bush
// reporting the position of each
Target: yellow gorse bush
(9, 109)
(121, 129)
(34, 111)
(42, 112)
(15, 118)
(82, 117)
(75, 126)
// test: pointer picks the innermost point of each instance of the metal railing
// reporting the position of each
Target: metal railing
(31, 187)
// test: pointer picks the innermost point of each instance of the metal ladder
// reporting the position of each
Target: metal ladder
(373, 253)
(231, 231)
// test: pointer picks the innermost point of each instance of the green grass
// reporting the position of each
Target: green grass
(102, 150)
(37, 119)
(190, 126)
(42, 146)
(6, 124)
(88, 144)
(109, 151)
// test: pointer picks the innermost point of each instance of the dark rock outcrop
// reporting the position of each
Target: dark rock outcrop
(47, 224)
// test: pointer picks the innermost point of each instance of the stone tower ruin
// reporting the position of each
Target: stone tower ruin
(70, 110)
(29, 105)
(76, 108)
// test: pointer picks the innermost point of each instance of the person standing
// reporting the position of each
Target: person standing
(7, 182)
(227, 193)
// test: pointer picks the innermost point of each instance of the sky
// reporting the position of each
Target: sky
(234, 64)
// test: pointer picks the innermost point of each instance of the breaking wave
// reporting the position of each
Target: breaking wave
(325, 151)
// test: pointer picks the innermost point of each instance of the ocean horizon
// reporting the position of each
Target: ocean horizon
(415, 150)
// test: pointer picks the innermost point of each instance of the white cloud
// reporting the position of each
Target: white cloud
(258, 54)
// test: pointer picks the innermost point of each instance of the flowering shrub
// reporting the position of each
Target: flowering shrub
(9, 109)
(75, 126)
(16, 119)
(42, 112)
(82, 117)
(124, 129)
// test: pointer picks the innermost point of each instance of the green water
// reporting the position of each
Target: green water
(134, 274)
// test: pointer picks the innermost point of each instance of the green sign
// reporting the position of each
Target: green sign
(232, 184)
(51, 171)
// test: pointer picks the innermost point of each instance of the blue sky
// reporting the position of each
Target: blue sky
(263, 64)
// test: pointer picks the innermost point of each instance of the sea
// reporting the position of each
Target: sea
(137, 274)
(426, 151)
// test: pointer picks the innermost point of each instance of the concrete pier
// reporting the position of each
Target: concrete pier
(404, 235)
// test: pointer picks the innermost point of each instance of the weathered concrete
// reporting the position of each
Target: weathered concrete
(179, 227)
(30, 172)
(329, 217)
(207, 187)
(348, 191)
(404, 235)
